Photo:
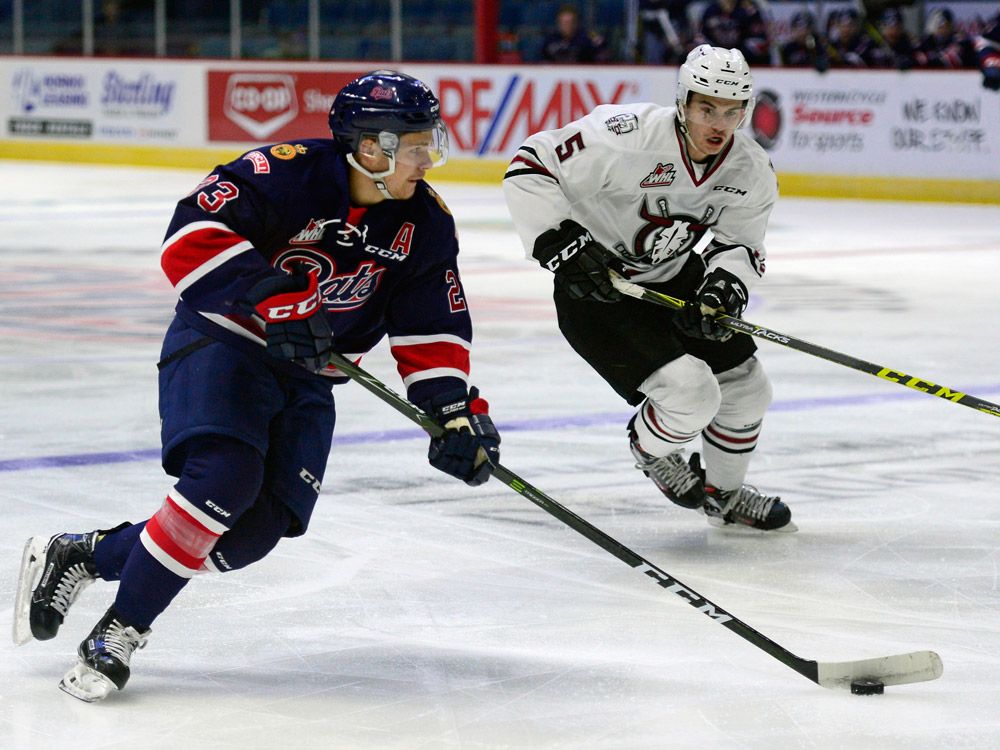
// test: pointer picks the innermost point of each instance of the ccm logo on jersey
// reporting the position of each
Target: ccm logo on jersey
(569, 251)
(727, 189)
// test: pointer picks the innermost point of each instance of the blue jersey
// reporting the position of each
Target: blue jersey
(385, 270)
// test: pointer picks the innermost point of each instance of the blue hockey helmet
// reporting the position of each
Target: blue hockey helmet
(382, 101)
(384, 105)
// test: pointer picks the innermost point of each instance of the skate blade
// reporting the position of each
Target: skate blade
(32, 564)
(86, 684)
(742, 528)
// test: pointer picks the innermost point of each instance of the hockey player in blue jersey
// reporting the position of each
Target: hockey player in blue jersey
(289, 252)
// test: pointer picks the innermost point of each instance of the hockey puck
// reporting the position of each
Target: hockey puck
(867, 687)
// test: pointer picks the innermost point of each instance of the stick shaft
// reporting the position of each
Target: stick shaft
(880, 371)
(808, 669)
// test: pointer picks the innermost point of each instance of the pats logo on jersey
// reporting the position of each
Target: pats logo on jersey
(662, 176)
(666, 236)
(339, 292)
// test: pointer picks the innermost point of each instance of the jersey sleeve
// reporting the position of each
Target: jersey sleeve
(542, 182)
(429, 327)
(210, 250)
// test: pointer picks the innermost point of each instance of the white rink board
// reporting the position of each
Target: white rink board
(917, 124)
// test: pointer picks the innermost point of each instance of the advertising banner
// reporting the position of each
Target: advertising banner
(263, 106)
(110, 101)
(488, 110)
(927, 124)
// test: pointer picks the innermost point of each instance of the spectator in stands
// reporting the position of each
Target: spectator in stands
(944, 46)
(570, 43)
(893, 47)
(737, 24)
(987, 47)
(666, 31)
(850, 46)
(804, 46)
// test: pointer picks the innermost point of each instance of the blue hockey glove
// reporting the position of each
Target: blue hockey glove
(721, 291)
(470, 446)
(295, 322)
(579, 263)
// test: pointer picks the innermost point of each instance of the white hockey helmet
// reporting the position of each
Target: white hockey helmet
(718, 72)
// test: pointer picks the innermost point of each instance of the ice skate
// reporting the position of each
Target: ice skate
(671, 475)
(747, 507)
(52, 576)
(105, 658)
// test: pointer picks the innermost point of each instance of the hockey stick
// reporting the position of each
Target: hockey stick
(901, 669)
(625, 286)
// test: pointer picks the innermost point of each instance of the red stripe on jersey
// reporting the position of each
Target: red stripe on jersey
(535, 166)
(194, 249)
(414, 358)
(355, 214)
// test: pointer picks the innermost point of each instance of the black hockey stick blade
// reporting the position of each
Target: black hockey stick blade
(739, 325)
(891, 670)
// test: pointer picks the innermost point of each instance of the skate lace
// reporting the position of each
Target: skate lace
(671, 471)
(72, 582)
(749, 502)
(121, 641)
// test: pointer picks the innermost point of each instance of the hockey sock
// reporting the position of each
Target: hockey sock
(255, 534)
(727, 452)
(656, 433)
(112, 550)
(220, 480)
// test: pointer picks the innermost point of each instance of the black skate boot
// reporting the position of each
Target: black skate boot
(670, 474)
(52, 576)
(748, 507)
(105, 657)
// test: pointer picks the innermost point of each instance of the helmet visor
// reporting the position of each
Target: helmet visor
(723, 114)
(424, 148)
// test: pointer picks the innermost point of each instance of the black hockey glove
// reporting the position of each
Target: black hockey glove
(295, 322)
(720, 292)
(470, 446)
(579, 263)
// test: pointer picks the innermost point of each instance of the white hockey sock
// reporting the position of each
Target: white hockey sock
(656, 433)
(727, 452)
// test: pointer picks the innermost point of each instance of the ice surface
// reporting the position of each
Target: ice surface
(419, 613)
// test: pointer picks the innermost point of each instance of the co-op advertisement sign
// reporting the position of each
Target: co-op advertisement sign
(251, 106)
(93, 101)
(488, 112)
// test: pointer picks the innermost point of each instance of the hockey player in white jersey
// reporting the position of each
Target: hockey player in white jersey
(678, 200)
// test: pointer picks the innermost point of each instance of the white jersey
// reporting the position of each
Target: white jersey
(623, 173)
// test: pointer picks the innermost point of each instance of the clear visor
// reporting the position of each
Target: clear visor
(727, 116)
(426, 148)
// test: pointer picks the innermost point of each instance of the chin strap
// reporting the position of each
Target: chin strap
(377, 177)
